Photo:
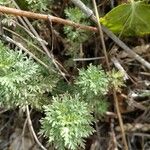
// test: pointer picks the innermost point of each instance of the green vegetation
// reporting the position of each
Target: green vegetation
(70, 109)
(68, 117)
(94, 85)
(23, 81)
(68, 120)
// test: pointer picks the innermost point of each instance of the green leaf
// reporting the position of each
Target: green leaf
(129, 19)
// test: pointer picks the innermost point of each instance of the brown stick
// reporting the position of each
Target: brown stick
(28, 14)
(32, 129)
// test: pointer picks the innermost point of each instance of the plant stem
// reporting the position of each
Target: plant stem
(29, 14)
(101, 35)
(32, 129)
(120, 119)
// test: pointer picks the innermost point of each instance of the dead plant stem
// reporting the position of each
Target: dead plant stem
(120, 119)
(101, 35)
(32, 129)
(32, 15)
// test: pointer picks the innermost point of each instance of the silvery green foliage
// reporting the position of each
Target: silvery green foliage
(67, 122)
(75, 36)
(4, 2)
(22, 81)
(93, 80)
(75, 15)
(93, 85)
(39, 5)
(116, 79)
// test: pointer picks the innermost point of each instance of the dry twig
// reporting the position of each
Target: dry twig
(101, 35)
(32, 15)
(120, 119)
(32, 129)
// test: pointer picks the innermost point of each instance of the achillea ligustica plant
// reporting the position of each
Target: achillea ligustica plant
(75, 36)
(22, 81)
(38, 5)
(93, 84)
(68, 121)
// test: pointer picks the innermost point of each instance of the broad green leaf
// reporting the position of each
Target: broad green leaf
(129, 19)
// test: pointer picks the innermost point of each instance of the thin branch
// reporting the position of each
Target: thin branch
(87, 11)
(87, 59)
(101, 35)
(120, 119)
(32, 129)
(32, 15)
(25, 40)
(120, 68)
(29, 32)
